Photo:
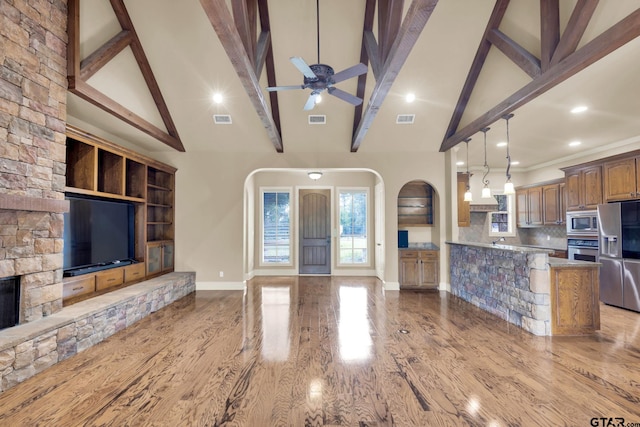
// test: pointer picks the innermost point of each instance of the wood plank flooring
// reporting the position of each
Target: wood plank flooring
(322, 351)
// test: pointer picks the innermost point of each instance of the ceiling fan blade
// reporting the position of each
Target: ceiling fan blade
(274, 88)
(303, 67)
(311, 102)
(356, 70)
(351, 99)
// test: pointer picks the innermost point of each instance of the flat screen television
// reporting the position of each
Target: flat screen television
(97, 233)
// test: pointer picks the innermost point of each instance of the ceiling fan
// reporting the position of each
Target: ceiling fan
(319, 77)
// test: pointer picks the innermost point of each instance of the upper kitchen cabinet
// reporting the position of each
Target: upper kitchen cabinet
(415, 205)
(583, 189)
(621, 179)
(553, 204)
(464, 208)
(529, 206)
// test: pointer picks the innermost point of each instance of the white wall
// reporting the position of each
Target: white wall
(210, 200)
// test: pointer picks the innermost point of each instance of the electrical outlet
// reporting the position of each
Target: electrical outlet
(222, 274)
(548, 237)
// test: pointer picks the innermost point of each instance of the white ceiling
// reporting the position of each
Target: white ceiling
(190, 65)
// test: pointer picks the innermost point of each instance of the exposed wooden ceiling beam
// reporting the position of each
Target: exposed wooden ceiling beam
(147, 73)
(516, 53)
(101, 57)
(245, 18)
(618, 35)
(223, 24)
(412, 25)
(368, 54)
(580, 17)
(549, 30)
(77, 73)
(265, 24)
(497, 14)
(97, 98)
(389, 20)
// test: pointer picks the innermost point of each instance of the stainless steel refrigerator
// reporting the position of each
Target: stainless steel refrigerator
(619, 246)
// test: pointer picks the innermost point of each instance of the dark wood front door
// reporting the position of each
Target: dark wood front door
(315, 232)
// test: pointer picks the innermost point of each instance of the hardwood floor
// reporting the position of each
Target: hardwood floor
(321, 351)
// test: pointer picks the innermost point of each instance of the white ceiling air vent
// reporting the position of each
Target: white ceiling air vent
(405, 119)
(222, 119)
(317, 119)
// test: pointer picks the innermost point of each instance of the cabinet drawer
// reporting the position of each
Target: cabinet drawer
(134, 272)
(74, 287)
(108, 278)
(409, 254)
(429, 255)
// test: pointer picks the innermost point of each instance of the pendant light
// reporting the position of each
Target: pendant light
(467, 194)
(508, 186)
(486, 191)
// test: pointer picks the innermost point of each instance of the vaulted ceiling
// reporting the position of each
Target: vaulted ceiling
(145, 71)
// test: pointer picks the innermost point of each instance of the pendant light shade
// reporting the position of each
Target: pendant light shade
(508, 186)
(467, 194)
(486, 191)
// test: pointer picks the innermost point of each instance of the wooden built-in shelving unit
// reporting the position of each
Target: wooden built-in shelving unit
(96, 167)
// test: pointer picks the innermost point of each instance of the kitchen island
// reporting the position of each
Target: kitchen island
(527, 287)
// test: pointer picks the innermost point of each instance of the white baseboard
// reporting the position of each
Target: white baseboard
(275, 272)
(391, 286)
(220, 286)
(444, 286)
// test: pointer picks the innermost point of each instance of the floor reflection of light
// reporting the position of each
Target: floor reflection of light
(275, 323)
(315, 389)
(473, 405)
(354, 335)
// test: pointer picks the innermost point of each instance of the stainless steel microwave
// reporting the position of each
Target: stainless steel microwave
(583, 223)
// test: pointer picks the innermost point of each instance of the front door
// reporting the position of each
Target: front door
(315, 232)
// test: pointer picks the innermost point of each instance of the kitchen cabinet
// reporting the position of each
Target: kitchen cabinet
(583, 189)
(419, 269)
(621, 180)
(464, 208)
(529, 207)
(553, 212)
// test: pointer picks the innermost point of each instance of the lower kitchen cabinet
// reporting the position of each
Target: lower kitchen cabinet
(419, 269)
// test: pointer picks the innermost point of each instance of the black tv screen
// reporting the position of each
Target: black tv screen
(97, 232)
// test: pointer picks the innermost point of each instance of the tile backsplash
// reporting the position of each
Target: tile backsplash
(550, 237)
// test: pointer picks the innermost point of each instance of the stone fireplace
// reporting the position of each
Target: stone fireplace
(33, 90)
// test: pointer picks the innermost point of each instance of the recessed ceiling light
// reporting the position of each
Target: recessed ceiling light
(515, 163)
(579, 109)
(217, 98)
(460, 163)
(501, 144)
(410, 97)
(574, 143)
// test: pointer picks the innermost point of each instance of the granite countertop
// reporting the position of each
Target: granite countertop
(421, 246)
(566, 263)
(513, 248)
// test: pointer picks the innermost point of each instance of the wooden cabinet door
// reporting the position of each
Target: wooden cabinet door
(429, 269)
(154, 258)
(534, 202)
(522, 208)
(409, 274)
(562, 201)
(572, 191)
(551, 204)
(620, 180)
(592, 187)
(464, 210)
(167, 256)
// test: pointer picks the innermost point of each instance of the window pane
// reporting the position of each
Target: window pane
(353, 227)
(276, 235)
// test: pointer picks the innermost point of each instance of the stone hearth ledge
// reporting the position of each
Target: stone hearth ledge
(29, 348)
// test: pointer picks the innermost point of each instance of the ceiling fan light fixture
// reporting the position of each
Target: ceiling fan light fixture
(314, 175)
